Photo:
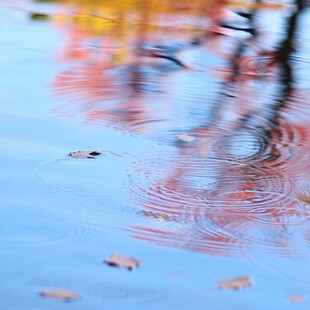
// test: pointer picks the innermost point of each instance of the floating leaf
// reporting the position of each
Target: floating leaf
(186, 138)
(157, 215)
(296, 298)
(84, 154)
(122, 261)
(235, 284)
(304, 198)
(60, 294)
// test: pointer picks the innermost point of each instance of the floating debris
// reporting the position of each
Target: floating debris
(235, 284)
(118, 260)
(186, 138)
(304, 198)
(84, 154)
(294, 299)
(60, 294)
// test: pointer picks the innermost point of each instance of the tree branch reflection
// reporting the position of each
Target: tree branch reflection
(231, 188)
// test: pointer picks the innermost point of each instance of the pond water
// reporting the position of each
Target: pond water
(200, 110)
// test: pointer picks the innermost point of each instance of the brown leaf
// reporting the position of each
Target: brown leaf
(84, 154)
(235, 284)
(122, 261)
(296, 298)
(60, 294)
(186, 138)
(159, 216)
(304, 198)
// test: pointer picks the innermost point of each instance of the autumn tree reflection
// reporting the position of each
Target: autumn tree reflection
(230, 184)
(242, 192)
(116, 53)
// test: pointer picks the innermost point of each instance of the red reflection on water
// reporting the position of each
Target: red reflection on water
(212, 199)
(244, 207)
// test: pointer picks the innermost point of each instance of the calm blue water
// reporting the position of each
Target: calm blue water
(222, 205)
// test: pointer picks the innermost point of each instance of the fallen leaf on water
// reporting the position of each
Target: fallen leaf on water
(84, 154)
(235, 284)
(159, 216)
(296, 298)
(304, 198)
(186, 138)
(60, 294)
(122, 261)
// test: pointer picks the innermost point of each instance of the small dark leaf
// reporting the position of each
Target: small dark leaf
(94, 153)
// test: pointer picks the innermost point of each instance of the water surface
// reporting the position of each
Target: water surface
(201, 113)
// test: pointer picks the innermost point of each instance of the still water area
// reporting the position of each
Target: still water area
(199, 112)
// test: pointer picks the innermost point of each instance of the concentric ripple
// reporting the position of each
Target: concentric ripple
(20, 185)
(186, 185)
(211, 205)
(79, 177)
(242, 145)
(281, 144)
(136, 295)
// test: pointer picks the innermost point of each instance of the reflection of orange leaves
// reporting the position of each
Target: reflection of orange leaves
(86, 84)
(229, 234)
(216, 219)
(149, 233)
(94, 92)
(125, 21)
(120, 30)
(242, 195)
(73, 48)
(118, 117)
(97, 114)
(244, 192)
(215, 243)
(255, 6)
